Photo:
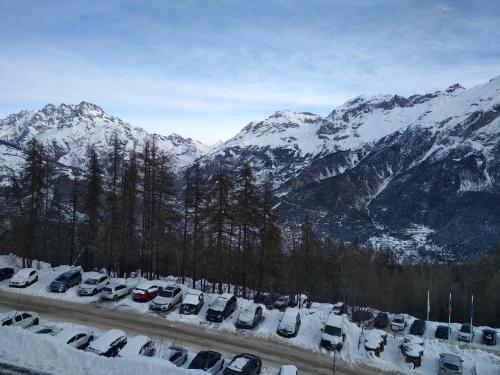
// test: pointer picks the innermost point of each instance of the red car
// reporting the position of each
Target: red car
(146, 291)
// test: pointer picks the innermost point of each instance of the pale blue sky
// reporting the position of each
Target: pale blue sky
(204, 69)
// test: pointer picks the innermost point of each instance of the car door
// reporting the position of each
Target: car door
(18, 320)
(27, 320)
(121, 290)
(258, 314)
(178, 295)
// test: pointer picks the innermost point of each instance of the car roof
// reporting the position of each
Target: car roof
(103, 341)
(114, 284)
(452, 359)
(93, 275)
(290, 316)
(191, 298)
(134, 345)
(220, 302)
(334, 320)
(71, 272)
(288, 370)
(239, 362)
(148, 284)
(70, 332)
(25, 271)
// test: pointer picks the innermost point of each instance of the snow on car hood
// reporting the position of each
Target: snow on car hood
(247, 315)
(162, 300)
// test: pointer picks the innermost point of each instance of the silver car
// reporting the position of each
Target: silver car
(450, 364)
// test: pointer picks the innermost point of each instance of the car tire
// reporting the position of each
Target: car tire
(35, 322)
(115, 297)
(94, 292)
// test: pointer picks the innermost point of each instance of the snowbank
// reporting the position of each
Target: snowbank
(45, 353)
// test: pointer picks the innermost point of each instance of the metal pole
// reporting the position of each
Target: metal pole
(334, 360)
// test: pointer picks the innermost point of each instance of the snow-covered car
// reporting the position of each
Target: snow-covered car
(450, 364)
(244, 364)
(413, 353)
(192, 302)
(177, 355)
(418, 327)
(398, 323)
(65, 281)
(411, 339)
(289, 323)
(489, 337)
(109, 343)
(6, 273)
(466, 333)
(78, 338)
(167, 299)
(381, 320)
(21, 319)
(282, 303)
(114, 291)
(41, 330)
(146, 291)
(93, 284)
(223, 306)
(333, 336)
(442, 332)
(138, 345)
(288, 370)
(24, 278)
(249, 317)
(374, 342)
(300, 300)
(209, 361)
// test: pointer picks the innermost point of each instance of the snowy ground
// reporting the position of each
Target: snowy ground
(310, 332)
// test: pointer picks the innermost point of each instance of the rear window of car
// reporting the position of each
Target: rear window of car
(108, 290)
(451, 366)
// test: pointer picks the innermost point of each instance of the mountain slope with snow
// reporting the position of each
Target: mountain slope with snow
(378, 167)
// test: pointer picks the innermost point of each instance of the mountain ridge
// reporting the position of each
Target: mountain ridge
(352, 171)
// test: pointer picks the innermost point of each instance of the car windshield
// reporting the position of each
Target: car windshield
(334, 331)
(203, 361)
(452, 367)
(465, 329)
(398, 320)
(167, 293)
(91, 281)
(109, 290)
(61, 278)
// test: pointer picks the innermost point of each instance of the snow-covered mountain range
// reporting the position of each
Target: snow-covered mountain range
(68, 131)
(419, 173)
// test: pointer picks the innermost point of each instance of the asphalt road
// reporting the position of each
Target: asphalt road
(197, 337)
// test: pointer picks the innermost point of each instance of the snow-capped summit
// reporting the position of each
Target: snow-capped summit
(68, 131)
